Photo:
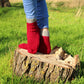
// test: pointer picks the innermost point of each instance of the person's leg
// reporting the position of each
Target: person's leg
(42, 20)
(33, 33)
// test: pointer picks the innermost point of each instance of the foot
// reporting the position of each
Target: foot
(33, 38)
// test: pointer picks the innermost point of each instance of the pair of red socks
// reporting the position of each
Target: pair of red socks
(35, 42)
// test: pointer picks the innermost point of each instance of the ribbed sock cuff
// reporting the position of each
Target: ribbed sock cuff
(30, 20)
(44, 33)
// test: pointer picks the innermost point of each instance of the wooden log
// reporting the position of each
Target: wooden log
(49, 67)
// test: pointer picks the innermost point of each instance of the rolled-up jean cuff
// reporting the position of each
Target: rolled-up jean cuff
(43, 23)
(45, 27)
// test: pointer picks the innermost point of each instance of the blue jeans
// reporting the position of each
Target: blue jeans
(37, 9)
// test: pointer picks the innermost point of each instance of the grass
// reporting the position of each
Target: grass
(66, 31)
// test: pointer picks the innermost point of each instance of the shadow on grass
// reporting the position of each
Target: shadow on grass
(14, 6)
(82, 68)
(14, 39)
(18, 5)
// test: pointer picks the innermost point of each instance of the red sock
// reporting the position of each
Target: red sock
(23, 45)
(44, 45)
(33, 37)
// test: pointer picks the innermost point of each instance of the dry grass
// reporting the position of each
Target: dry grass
(15, 1)
(70, 3)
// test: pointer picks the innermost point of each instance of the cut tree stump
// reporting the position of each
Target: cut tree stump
(4, 3)
(48, 67)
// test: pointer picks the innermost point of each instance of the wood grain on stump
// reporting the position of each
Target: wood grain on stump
(49, 67)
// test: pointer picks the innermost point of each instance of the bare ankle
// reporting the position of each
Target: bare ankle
(44, 29)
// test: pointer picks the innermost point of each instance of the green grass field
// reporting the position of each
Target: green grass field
(66, 31)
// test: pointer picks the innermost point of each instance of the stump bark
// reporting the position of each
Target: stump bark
(48, 67)
(4, 3)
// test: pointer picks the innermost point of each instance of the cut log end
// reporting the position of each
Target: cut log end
(49, 67)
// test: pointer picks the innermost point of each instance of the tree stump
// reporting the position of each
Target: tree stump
(0, 3)
(48, 67)
(4, 3)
